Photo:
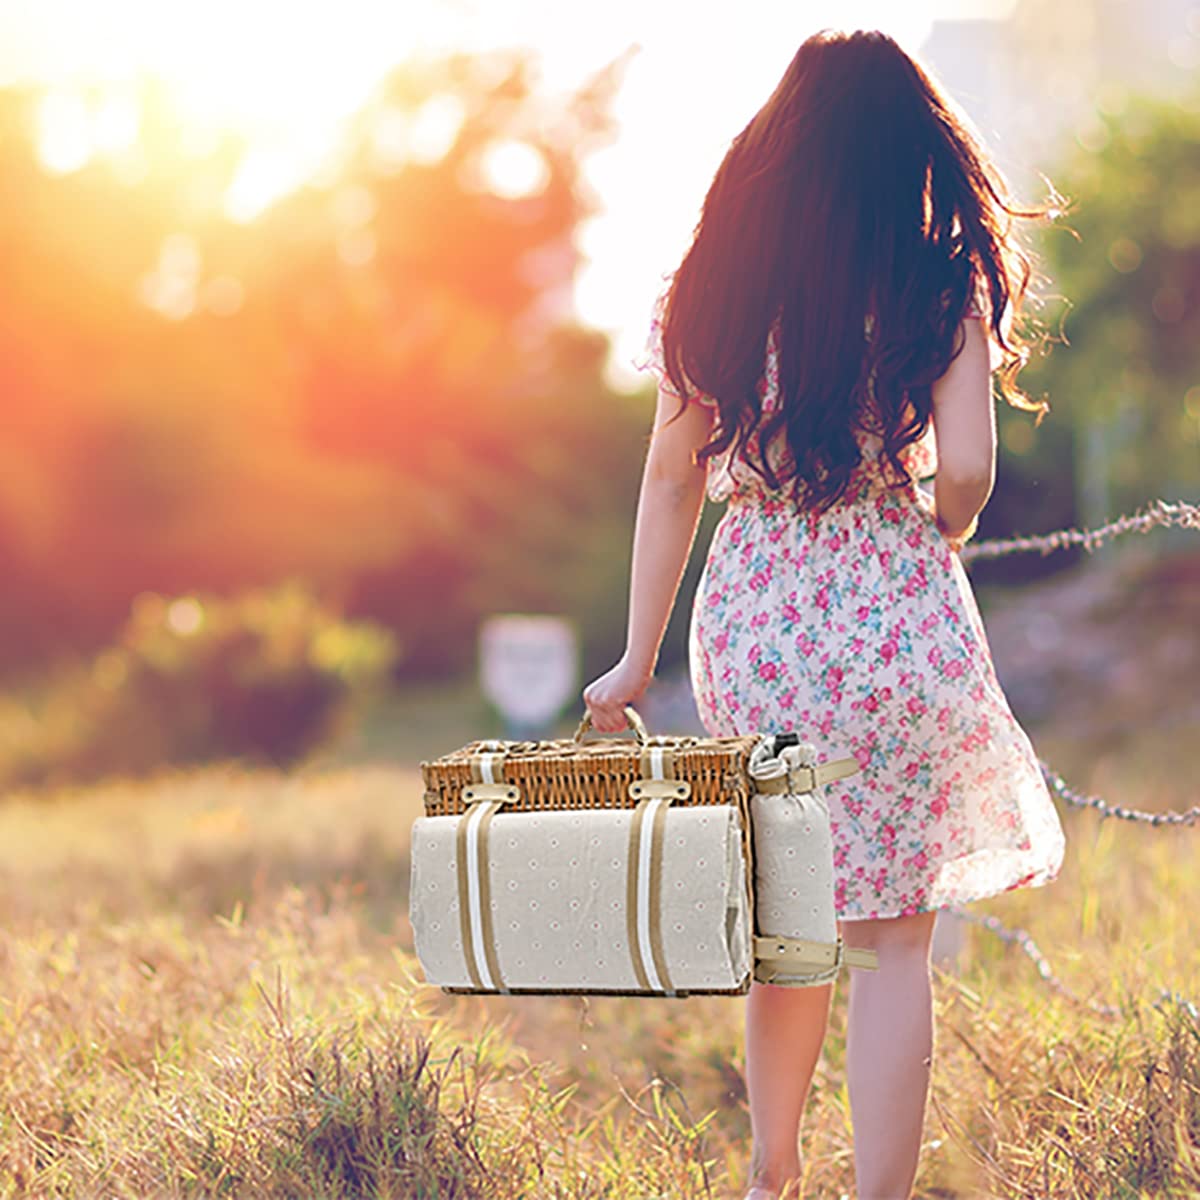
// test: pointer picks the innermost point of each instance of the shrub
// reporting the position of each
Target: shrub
(266, 675)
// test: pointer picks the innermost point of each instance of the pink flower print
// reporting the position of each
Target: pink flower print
(888, 833)
(767, 671)
(788, 698)
(954, 668)
(930, 622)
(870, 703)
(913, 540)
(790, 612)
(721, 642)
(864, 611)
(821, 600)
(759, 580)
(805, 644)
(759, 620)
(891, 515)
(833, 678)
(888, 651)
(917, 706)
(910, 770)
(826, 724)
(885, 557)
(841, 856)
(934, 656)
(856, 645)
(939, 804)
(863, 755)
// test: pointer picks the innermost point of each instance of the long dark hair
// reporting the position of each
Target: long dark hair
(858, 190)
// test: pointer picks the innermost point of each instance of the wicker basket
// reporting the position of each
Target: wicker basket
(606, 773)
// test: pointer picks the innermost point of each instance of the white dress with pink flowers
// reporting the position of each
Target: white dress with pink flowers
(860, 631)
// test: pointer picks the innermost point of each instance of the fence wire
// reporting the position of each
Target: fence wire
(1158, 513)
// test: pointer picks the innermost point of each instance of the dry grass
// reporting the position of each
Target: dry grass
(207, 989)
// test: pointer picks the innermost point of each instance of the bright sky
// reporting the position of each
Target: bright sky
(288, 73)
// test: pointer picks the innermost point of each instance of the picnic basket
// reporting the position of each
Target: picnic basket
(614, 865)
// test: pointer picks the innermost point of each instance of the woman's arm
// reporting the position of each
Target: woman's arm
(670, 502)
(965, 432)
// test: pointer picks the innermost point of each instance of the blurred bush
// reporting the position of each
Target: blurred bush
(266, 675)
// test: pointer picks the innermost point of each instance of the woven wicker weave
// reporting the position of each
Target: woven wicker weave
(570, 773)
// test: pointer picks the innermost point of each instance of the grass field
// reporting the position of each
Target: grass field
(207, 988)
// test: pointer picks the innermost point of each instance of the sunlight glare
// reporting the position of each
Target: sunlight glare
(115, 124)
(263, 176)
(64, 138)
(513, 169)
(170, 288)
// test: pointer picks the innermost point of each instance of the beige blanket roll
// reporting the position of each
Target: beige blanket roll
(582, 900)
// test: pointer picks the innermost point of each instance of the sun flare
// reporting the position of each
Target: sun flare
(284, 77)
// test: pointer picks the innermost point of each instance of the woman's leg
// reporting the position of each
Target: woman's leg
(785, 1027)
(889, 1051)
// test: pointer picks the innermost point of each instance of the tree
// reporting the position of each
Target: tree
(374, 372)
(1127, 266)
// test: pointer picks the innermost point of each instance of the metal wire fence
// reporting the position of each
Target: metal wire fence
(1158, 513)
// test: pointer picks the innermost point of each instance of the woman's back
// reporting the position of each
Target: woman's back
(729, 475)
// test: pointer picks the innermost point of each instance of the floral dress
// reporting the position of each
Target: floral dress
(859, 630)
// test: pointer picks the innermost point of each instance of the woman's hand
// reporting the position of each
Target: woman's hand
(606, 697)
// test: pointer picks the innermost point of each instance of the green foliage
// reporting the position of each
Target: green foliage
(266, 675)
(1126, 272)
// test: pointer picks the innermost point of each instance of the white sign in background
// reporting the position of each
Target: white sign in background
(528, 666)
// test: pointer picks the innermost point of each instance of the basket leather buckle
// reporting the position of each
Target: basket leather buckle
(666, 789)
(502, 793)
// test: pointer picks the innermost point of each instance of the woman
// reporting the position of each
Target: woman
(829, 338)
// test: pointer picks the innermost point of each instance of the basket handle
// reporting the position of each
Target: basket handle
(631, 715)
